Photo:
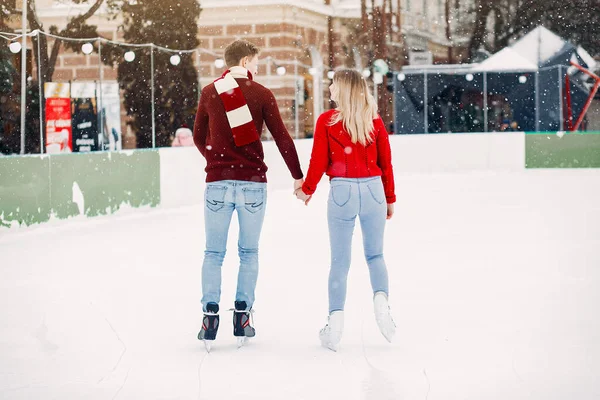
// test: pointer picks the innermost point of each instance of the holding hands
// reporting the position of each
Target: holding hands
(300, 195)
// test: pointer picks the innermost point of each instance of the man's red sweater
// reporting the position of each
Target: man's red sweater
(214, 139)
(334, 153)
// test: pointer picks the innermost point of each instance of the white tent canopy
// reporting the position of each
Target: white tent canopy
(531, 52)
(527, 54)
(506, 60)
(539, 45)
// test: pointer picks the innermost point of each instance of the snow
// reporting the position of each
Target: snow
(529, 53)
(506, 59)
(539, 45)
(78, 197)
(587, 58)
(494, 288)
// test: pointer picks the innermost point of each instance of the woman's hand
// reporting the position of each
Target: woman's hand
(390, 211)
(300, 195)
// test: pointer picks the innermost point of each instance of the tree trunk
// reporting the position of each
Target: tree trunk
(448, 31)
(363, 18)
(483, 10)
(49, 62)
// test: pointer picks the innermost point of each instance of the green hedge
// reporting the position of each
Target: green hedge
(34, 188)
(568, 150)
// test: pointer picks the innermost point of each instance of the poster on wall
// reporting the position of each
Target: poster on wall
(110, 117)
(420, 57)
(58, 118)
(84, 116)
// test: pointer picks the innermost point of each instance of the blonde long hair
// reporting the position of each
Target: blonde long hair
(356, 107)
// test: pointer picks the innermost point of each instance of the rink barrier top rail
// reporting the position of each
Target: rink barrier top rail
(36, 189)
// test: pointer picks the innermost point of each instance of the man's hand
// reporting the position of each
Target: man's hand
(298, 184)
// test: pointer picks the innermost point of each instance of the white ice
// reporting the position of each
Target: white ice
(494, 279)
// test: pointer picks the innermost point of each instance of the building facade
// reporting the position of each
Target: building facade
(308, 38)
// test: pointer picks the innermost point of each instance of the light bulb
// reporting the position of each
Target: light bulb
(175, 59)
(15, 47)
(87, 48)
(129, 56)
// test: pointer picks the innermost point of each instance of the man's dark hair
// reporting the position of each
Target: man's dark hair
(238, 50)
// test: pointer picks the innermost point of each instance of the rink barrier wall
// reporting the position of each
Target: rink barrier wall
(562, 150)
(37, 189)
(182, 169)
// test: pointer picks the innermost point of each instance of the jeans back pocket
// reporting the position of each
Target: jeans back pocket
(340, 194)
(377, 192)
(254, 199)
(215, 197)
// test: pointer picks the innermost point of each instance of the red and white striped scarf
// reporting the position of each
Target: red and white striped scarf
(238, 114)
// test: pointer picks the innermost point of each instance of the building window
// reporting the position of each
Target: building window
(425, 11)
(407, 5)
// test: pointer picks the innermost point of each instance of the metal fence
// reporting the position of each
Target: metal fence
(463, 101)
(160, 97)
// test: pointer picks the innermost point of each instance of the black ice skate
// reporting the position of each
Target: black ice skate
(241, 323)
(210, 325)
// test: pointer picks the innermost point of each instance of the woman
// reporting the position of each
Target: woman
(352, 146)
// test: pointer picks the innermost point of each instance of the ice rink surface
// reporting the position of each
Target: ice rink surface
(494, 281)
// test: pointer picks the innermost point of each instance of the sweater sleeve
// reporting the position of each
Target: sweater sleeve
(384, 161)
(319, 159)
(282, 138)
(201, 125)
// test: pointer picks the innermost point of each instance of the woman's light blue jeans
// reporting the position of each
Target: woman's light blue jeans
(350, 198)
(221, 198)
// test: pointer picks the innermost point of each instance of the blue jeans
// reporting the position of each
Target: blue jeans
(349, 198)
(220, 200)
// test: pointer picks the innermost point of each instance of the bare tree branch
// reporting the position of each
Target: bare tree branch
(67, 33)
(84, 17)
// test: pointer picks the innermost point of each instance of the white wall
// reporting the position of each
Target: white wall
(458, 152)
(182, 169)
(181, 176)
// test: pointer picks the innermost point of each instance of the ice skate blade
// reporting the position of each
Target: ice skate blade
(386, 327)
(331, 346)
(208, 345)
(241, 341)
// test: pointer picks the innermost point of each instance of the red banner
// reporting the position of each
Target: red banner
(58, 119)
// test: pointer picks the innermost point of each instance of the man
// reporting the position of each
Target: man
(227, 132)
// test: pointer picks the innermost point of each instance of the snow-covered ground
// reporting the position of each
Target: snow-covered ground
(494, 279)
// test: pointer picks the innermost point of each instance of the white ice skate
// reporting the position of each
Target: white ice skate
(331, 334)
(383, 317)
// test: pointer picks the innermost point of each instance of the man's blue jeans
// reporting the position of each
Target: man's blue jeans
(220, 200)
